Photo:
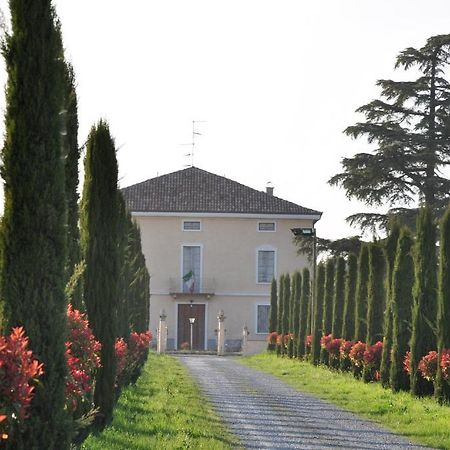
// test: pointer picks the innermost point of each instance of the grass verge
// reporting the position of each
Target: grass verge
(164, 410)
(419, 419)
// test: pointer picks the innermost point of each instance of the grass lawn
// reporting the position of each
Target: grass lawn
(164, 410)
(420, 420)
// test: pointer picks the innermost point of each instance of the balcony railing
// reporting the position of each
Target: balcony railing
(195, 286)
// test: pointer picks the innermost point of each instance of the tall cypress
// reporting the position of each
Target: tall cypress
(72, 156)
(375, 294)
(34, 236)
(375, 299)
(338, 297)
(99, 232)
(280, 311)
(348, 324)
(291, 345)
(361, 294)
(390, 249)
(273, 311)
(401, 306)
(424, 313)
(348, 321)
(303, 312)
(442, 388)
(319, 292)
(327, 310)
(285, 315)
(296, 292)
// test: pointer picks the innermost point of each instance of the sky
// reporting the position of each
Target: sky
(274, 83)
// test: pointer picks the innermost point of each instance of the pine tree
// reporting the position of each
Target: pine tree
(273, 311)
(290, 349)
(295, 293)
(348, 324)
(285, 315)
(319, 292)
(338, 298)
(390, 249)
(410, 127)
(100, 242)
(401, 305)
(361, 295)
(348, 321)
(327, 311)
(442, 388)
(303, 312)
(424, 313)
(280, 311)
(34, 235)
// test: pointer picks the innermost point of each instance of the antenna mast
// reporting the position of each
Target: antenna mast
(194, 134)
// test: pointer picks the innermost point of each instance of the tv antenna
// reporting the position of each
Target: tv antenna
(195, 133)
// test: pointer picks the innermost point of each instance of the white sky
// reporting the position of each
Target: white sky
(276, 81)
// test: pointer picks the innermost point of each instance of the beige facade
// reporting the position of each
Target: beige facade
(227, 248)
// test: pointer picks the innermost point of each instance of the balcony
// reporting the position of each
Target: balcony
(204, 287)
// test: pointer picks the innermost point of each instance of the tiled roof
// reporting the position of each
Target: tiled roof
(198, 191)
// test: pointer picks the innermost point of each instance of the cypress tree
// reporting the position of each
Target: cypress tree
(320, 285)
(390, 249)
(338, 297)
(401, 303)
(442, 388)
(99, 232)
(348, 321)
(72, 154)
(280, 311)
(375, 299)
(361, 295)
(296, 293)
(273, 311)
(285, 315)
(290, 349)
(424, 312)
(327, 306)
(303, 312)
(34, 237)
(348, 324)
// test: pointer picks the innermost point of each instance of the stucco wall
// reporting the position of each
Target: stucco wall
(229, 261)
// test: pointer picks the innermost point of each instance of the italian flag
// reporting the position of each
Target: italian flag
(189, 280)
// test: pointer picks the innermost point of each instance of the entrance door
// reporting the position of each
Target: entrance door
(186, 312)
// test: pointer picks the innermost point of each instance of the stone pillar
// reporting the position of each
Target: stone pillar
(221, 334)
(245, 334)
(162, 333)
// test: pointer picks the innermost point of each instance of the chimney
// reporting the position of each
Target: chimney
(269, 189)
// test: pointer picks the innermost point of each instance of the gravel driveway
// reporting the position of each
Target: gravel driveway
(266, 413)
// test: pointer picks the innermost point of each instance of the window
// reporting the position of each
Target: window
(266, 226)
(191, 270)
(262, 318)
(266, 266)
(191, 225)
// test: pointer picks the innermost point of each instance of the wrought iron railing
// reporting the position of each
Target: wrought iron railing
(194, 285)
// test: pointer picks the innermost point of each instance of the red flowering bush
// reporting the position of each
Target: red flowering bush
(344, 349)
(121, 350)
(82, 356)
(407, 363)
(357, 354)
(288, 337)
(333, 348)
(308, 341)
(18, 370)
(372, 355)
(445, 364)
(325, 340)
(428, 366)
(280, 339)
(272, 337)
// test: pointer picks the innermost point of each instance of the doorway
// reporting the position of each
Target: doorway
(186, 312)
